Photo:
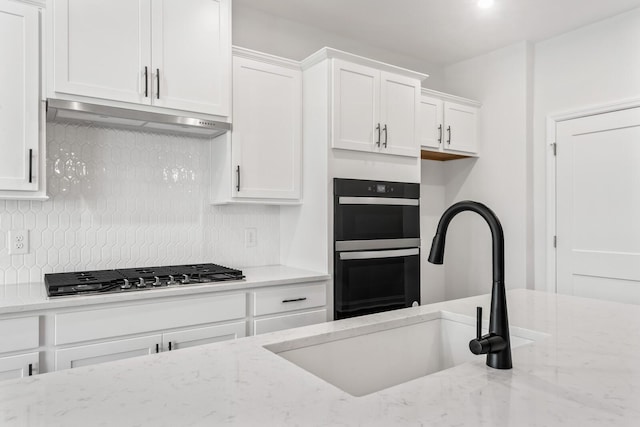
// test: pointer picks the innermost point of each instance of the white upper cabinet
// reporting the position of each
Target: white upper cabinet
(430, 120)
(448, 126)
(374, 110)
(102, 48)
(21, 150)
(191, 52)
(260, 160)
(461, 127)
(166, 53)
(399, 99)
(356, 106)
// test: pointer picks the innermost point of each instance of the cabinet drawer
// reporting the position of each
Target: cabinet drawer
(289, 299)
(20, 366)
(113, 322)
(289, 321)
(19, 334)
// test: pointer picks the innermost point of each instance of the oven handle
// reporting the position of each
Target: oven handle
(344, 256)
(343, 200)
(368, 245)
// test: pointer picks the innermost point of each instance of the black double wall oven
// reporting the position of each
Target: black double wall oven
(376, 246)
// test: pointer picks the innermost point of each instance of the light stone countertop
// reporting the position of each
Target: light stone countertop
(24, 297)
(585, 373)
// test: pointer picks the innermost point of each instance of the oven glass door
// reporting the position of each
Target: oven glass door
(373, 281)
(376, 221)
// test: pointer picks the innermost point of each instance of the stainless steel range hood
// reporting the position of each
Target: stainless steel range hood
(73, 111)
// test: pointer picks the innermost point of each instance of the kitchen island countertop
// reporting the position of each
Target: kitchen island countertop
(584, 373)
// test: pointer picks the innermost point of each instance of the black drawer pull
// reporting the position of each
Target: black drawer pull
(169, 345)
(294, 299)
(30, 369)
(157, 348)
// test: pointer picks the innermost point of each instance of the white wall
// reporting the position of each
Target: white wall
(124, 199)
(432, 204)
(596, 64)
(255, 29)
(498, 178)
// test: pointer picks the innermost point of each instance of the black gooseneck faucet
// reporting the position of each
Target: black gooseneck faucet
(496, 344)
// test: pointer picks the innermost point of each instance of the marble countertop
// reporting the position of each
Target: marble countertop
(25, 297)
(585, 373)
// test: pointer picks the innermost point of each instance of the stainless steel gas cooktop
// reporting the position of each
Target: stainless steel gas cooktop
(136, 279)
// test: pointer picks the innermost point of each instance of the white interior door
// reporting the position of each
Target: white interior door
(101, 49)
(598, 206)
(191, 54)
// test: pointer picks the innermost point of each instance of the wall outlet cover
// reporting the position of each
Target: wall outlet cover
(18, 243)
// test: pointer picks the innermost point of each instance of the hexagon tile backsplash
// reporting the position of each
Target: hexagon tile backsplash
(121, 198)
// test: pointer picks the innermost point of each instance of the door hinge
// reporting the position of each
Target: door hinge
(554, 146)
(555, 241)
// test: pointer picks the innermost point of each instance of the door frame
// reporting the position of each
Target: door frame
(551, 172)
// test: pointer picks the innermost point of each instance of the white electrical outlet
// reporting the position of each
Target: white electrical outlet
(18, 242)
(250, 237)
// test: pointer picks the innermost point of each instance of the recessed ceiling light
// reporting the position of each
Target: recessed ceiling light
(485, 4)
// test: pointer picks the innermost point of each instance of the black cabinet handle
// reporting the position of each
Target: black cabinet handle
(378, 129)
(146, 82)
(158, 83)
(386, 136)
(294, 299)
(30, 369)
(440, 134)
(238, 178)
(157, 348)
(449, 130)
(30, 165)
(169, 345)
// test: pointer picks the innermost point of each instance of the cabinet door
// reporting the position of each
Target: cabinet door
(356, 107)
(296, 320)
(200, 336)
(461, 128)
(267, 130)
(20, 366)
(399, 102)
(430, 126)
(19, 96)
(191, 54)
(92, 354)
(101, 49)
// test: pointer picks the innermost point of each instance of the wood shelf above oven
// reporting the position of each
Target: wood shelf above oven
(439, 156)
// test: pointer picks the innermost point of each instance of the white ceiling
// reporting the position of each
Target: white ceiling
(443, 31)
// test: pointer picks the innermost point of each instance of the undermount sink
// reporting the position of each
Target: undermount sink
(366, 359)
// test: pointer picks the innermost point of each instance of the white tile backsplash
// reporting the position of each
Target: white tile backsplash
(121, 198)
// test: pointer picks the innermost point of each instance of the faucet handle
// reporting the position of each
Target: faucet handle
(478, 323)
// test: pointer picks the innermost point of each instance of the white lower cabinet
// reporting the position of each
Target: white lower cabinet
(201, 336)
(92, 354)
(304, 304)
(22, 365)
(19, 335)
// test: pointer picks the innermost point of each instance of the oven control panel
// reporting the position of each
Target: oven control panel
(364, 188)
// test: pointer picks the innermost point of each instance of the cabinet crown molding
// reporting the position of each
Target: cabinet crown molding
(243, 52)
(449, 97)
(328, 52)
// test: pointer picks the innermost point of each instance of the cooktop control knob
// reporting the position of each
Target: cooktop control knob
(141, 283)
(157, 281)
(172, 281)
(126, 285)
(185, 279)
